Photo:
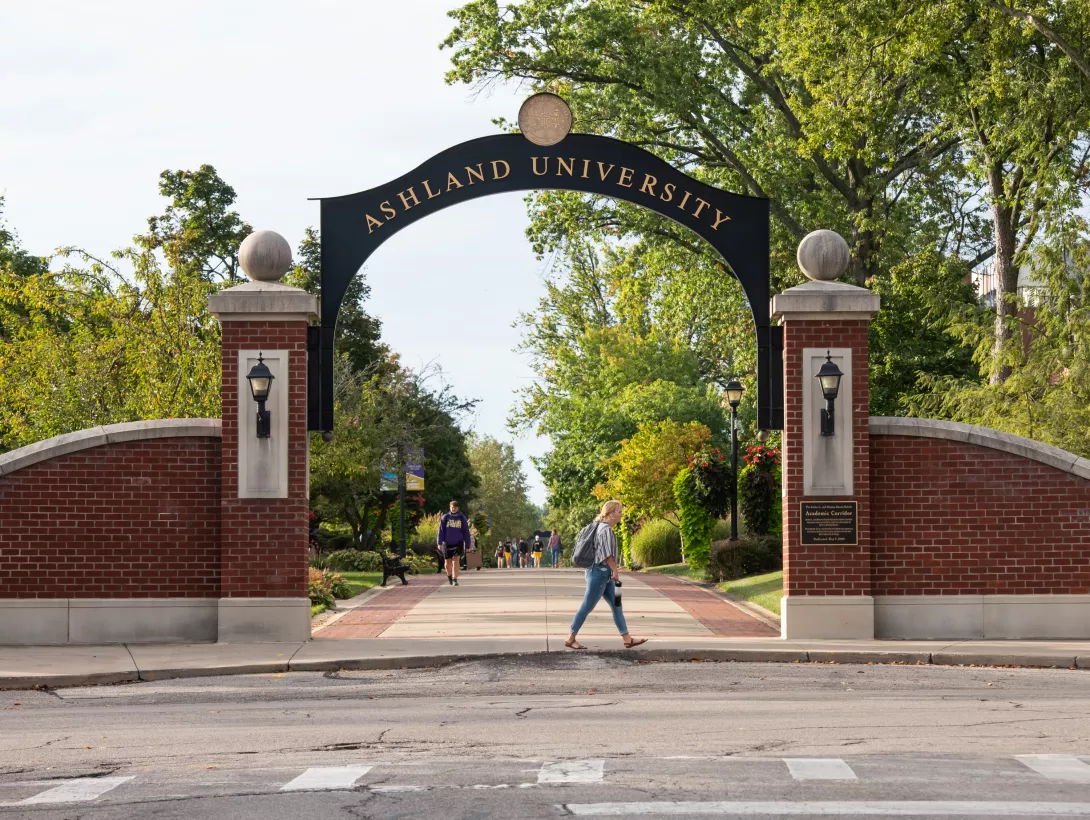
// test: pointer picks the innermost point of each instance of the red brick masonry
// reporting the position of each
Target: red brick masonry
(374, 617)
(952, 518)
(138, 519)
(723, 619)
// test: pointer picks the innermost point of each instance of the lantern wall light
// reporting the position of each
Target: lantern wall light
(829, 377)
(261, 379)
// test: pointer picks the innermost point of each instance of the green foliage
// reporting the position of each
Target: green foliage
(625, 529)
(427, 531)
(764, 590)
(744, 557)
(502, 494)
(657, 542)
(696, 524)
(759, 492)
(712, 479)
(349, 560)
(320, 588)
(641, 474)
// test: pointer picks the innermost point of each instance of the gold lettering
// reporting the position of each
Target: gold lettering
(684, 199)
(720, 218)
(452, 181)
(586, 169)
(603, 172)
(479, 173)
(626, 173)
(668, 192)
(537, 172)
(388, 209)
(648, 182)
(495, 169)
(431, 194)
(372, 223)
(569, 168)
(405, 199)
(699, 208)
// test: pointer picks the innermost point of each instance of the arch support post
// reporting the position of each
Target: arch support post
(265, 502)
(826, 456)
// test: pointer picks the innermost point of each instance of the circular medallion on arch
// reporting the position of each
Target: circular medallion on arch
(545, 119)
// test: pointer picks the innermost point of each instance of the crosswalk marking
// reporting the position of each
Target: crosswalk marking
(819, 768)
(1058, 767)
(572, 771)
(835, 808)
(326, 778)
(80, 790)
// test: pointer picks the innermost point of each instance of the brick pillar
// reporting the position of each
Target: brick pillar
(827, 585)
(265, 488)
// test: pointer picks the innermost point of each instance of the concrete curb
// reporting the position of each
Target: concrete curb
(649, 653)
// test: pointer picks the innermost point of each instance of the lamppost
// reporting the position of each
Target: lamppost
(734, 392)
(829, 378)
(261, 379)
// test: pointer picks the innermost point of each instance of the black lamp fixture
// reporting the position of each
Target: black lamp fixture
(734, 391)
(261, 378)
(829, 377)
(733, 396)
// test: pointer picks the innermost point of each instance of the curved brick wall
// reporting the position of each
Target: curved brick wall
(116, 519)
(952, 517)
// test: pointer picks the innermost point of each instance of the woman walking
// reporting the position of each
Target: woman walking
(602, 578)
(499, 555)
(555, 549)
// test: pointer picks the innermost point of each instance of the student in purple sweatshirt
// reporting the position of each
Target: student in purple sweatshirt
(453, 540)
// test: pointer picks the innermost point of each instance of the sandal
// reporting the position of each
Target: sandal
(574, 645)
(634, 642)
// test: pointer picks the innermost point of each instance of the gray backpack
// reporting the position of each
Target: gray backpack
(585, 547)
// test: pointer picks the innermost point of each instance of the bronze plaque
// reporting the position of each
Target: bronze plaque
(829, 522)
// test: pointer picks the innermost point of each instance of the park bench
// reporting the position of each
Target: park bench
(392, 567)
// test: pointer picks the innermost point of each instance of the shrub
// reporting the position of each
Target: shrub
(427, 532)
(320, 587)
(720, 530)
(350, 561)
(658, 543)
(339, 587)
(759, 491)
(696, 524)
(711, 480)
(747, 556)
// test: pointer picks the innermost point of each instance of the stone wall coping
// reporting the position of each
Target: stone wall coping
(263, 301)
(825, 300)
(982, 437)
(107, 434)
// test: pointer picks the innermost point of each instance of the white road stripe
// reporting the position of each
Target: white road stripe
(326, 778)
(572, 771)
(819, 768)
(1058, 767)
(872, 808)
(79, 790)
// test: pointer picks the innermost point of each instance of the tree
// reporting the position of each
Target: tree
(502, 492)
(199, 232)
(642, 473)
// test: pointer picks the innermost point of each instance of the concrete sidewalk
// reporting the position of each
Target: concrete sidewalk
(507, 612)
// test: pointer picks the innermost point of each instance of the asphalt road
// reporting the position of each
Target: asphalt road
(557, 736)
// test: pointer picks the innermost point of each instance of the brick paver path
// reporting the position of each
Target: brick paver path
(374, 617)
(718, 615)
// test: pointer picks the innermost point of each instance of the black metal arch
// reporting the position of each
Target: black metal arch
(354, 226)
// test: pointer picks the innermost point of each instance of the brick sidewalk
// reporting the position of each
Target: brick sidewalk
(716, 614)
(374, 617)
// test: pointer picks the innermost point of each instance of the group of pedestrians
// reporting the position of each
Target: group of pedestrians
(523, 555)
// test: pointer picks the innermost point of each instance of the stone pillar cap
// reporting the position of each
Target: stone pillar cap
(263, 301)
(825, 300)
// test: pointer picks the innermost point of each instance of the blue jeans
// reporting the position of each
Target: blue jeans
(599, 584)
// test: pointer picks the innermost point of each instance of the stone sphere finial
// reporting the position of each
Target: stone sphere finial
(265, 256)
(823, 255)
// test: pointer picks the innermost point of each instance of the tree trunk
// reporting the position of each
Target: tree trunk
(1005, 273)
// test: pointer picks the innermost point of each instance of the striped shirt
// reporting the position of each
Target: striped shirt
(605, 543)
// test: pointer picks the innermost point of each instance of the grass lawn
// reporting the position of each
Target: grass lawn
(763, 590)
(361, 581)
(676, 569)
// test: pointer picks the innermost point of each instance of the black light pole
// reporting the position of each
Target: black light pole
(734, 392)
(401, 496)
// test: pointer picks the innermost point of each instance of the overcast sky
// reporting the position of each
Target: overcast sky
(288, 100)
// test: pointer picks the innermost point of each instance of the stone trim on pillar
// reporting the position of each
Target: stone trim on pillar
(264, 526)
(827, 588)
